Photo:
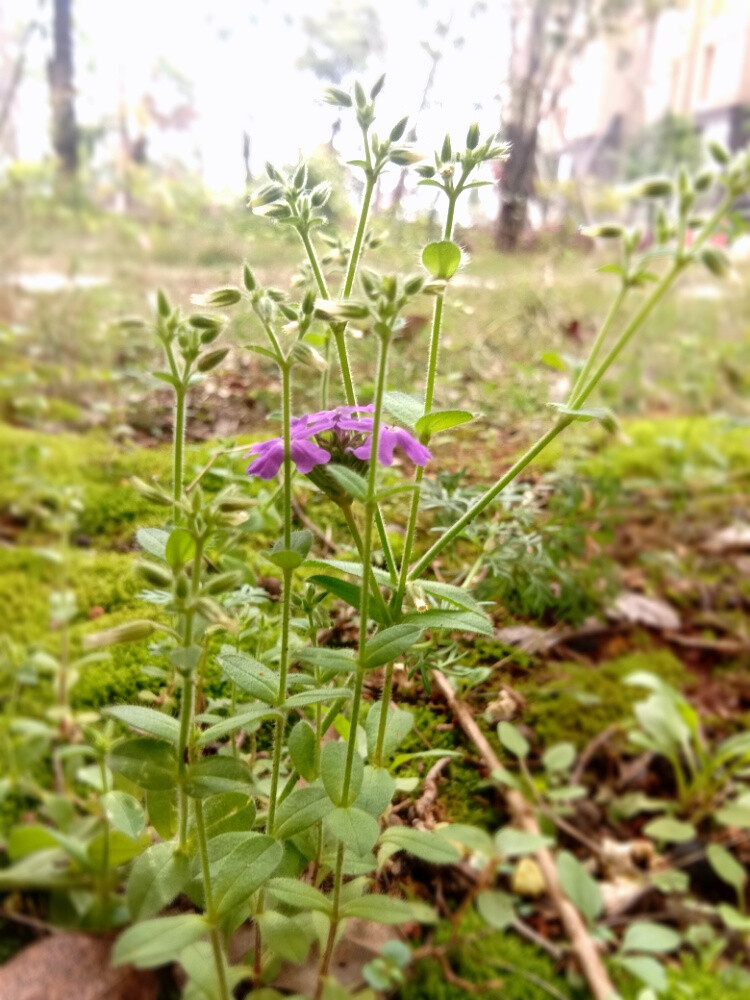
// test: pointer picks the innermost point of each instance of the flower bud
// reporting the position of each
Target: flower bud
(268, 194)
(435, 287)
(162, 304)
(377, 87)
(320, 194)
(413, 285)
(203, 322)
(300, 177)
(131, 323)
(308, 302)
(272, 172)
(209, 336)
(276, 211)
(134, 631)
(224, 582)
(303, 353)
(426, 170)
(209, 361)
(337, 97)
(704, 180)
(398, 129)
(404, 157)
(154, 573)
(472, 136)
(360, 98)
(656, 187)
(715, 260)
(228, 296)
(606, 231)
(248, 278)
(332, 309)
(446, 152)
(152, 493)
(719, 153)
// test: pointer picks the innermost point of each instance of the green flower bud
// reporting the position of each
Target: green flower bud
(337, 97)
(398, 129)
(472, 136)
(377, 87)
(134, 631)
(228, 296)
(154, 573)
(303, 353)
(209, 336)
(426, 170)
(201, 321)
(320, 194)
(131, 323)
(300, 177)
(276, 211)
(719, 153)
(162, 304)
(446, 153)
(332, 309)
(414, 285)
(360, 98)
(248, 278)
(606, 231)
(704, 180)
(152, 493)
(656, 187)
(224, 582)
(308, 302)
(209, 361)
(266, 195)
(404, 157)
(715, 260)
(272, 172)
(181, 586)
(288, 312)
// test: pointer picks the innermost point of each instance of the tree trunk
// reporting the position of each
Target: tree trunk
(516, 187)
(62, 94)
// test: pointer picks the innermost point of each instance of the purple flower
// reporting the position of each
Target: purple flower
(317, 438)
(391, 438)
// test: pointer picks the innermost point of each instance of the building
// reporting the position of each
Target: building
(692, 60)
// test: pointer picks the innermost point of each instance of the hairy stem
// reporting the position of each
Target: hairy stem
(215, 935)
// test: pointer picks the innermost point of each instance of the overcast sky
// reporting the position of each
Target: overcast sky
(240, 57)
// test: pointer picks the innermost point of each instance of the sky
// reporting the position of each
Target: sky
(240, 58)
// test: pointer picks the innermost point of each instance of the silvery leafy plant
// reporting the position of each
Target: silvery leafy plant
(268, 807)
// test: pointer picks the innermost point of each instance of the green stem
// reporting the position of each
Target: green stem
(346, 510)
(596, 346)
(278, 736)
(360, 233)
(286, 395)
(179, 444)
(104, 883)
(187, 700)
(215, 935)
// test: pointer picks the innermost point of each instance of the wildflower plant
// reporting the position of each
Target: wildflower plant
(291, 837)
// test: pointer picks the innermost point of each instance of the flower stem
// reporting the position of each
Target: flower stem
(215, 935)
(606, 326)
(385, 700)
(278, 735)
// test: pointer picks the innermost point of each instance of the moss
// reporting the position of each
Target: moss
(691, 981)
(490, 958)
(577, 701)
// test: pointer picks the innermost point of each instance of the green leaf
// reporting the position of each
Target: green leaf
(726, 866)
(292, 892)
(647, 969)
(148, 720)
(404, 408)
(454, 595)
(388, 910)
(287, 937)
(349, 480)
(580, 887)
(300, 810)
(645, 935)
(124, 813)
(154, 541)
(227, 726)
(442, 259)
(441, 420)
(355, 828)
(157, 877)
(300, 544)
(496, 908)
(214, 775)
(228, 812)
(733, 919)
(150, 763)
(240, 863)
(512, 843)
(604, 416)
(513, 741)
(734, 815)
(559, 758)
(453, 619)
(180, 548)
(333, 757)
(671, 831)
(317, 696)
(333, 661)
(388, 644)
(398, 725)
(429, 845)
(156, 942)
(251, 675)
(378, 787)
(348, 592)
(302, 747)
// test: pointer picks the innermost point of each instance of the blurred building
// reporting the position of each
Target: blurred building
(691, 60)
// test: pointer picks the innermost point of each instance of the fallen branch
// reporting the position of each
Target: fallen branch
(523, 816)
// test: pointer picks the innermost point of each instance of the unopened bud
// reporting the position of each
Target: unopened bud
(300, 177)
(719, 153)
(248, 278)
(332, 309)
(446, 152)
(377, 87)
(152, 493)
(337, 97)
(162, 304)
(435, 287)
(715, 260)
(704, 180)
(426, 170)
(320, 194)
(398, 129)
(413, 285)
(268, 194)
(134, 631)
(607, 231)
(203, 322)
(228, 296)
(154, 573)
(224, 582)
(656, 187)
(404, 157)
(472, 136)
(303, 353)
(209, 361)
(360, 98)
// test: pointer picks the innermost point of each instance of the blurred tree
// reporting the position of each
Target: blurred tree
(62, 92)
(341, 38)
(545, 37)
(669, 143)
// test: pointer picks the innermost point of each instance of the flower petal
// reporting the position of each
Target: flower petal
(306, 455)
(269, 460)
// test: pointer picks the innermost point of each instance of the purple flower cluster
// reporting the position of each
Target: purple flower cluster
(316, 438)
